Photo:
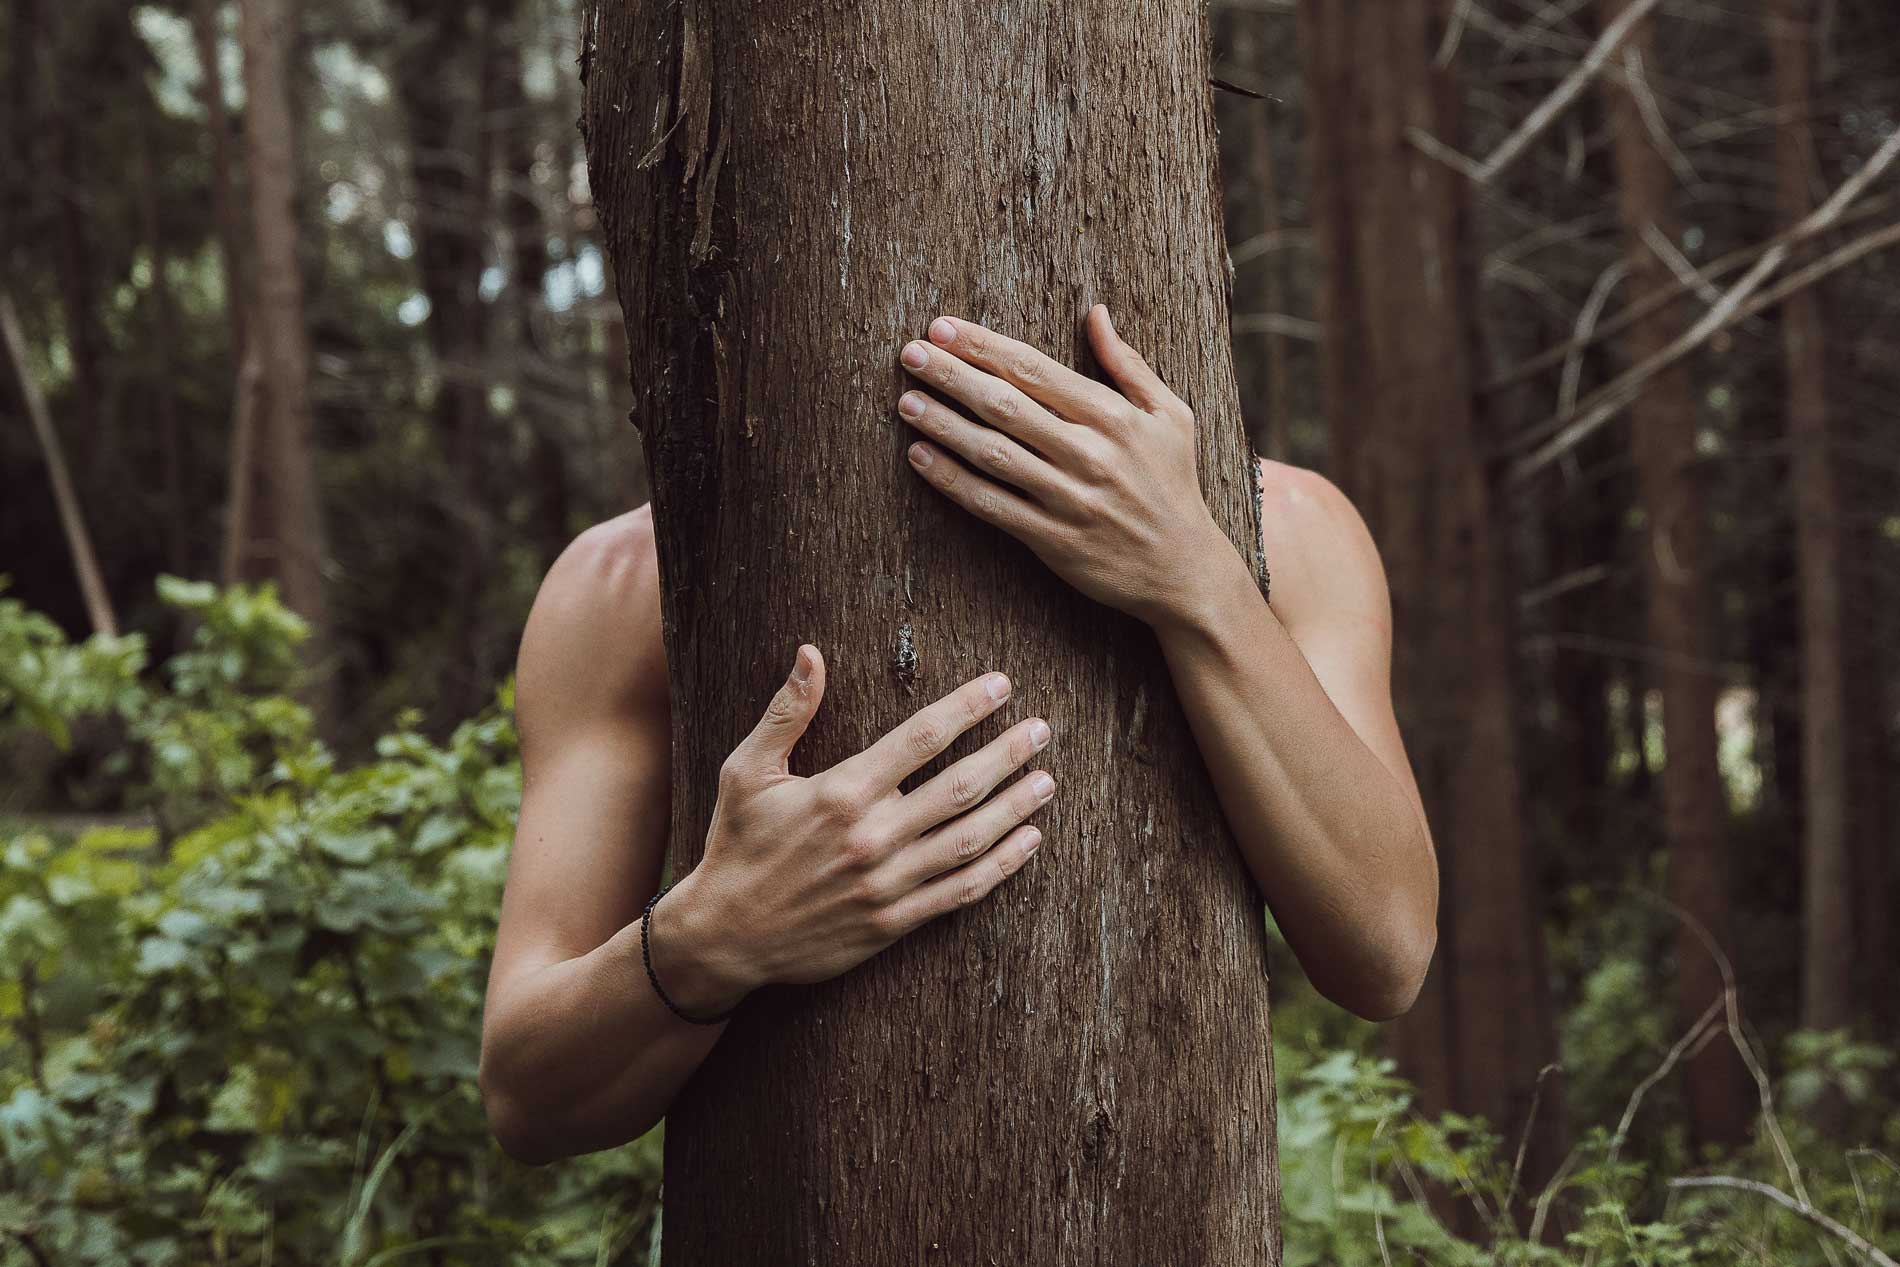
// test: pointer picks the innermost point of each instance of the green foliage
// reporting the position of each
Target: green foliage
(1367, 1179)
(240, 1024)
(243, 1027)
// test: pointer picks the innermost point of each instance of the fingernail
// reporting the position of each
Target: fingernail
(1039, 732)
(911, 405)
(915, 355)
(920, 455)
(1034, 841)
(997, 685)
(1109, 318)
(1043, 786)
(801, 669)
(942, 331)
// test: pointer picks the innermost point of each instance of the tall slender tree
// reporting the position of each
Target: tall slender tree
(288, 450)
(1827, 961)
(1087, 1064)
(1677, 584)
(1397, 308)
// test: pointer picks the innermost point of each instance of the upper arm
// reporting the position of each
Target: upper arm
(1329, 591)
(591, 704)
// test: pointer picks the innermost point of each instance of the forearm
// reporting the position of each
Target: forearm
(581, 1055)
(1330, 835)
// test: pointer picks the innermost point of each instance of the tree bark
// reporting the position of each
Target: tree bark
(1078, 1070)
(288, 449)
(1663, 422)
(1399, 372)
(1827, 962)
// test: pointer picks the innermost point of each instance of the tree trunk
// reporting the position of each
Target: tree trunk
(1274, 375)
(445, 87)
(224, 204)
(1663, 424)
(1827, 963)
(1078, 1070)
(1399, 360)
(288, 448)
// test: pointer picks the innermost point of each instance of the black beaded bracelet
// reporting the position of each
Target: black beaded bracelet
(646, 956)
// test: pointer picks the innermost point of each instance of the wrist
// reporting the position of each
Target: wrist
(1201, 592)
(696, 951)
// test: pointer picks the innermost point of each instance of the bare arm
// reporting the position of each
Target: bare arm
(802, 878)
(577, 1051)
(1291, 708)
(1292, 711)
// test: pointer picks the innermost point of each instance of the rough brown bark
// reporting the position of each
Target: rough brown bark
(1079, 1070)
(287, 448)
(1663, 423)
(1827, 962)
(1399, 359)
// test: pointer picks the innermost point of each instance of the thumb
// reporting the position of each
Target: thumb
(790, 711)
(1130, 370)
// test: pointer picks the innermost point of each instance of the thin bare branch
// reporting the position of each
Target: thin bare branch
(1640, 308)
(1802, 1209)
(1612, 399)
(92, 584)
(1549, 110)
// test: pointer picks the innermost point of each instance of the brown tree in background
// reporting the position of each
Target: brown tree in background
(1827, 961)
(293, 554)
(1663, 423)
(1080, 1070)
(1397, 307)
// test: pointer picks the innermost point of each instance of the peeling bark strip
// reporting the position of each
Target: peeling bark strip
(1079, 1069)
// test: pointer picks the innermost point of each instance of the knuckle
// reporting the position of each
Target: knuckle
(965, 788)
(887, 923)
(970, 890)
(839, 799)
(860, 848)
(997, 457)
(965, 845)
(1027, 370)
(985, 504)
(1003, 407)
(926, 737)
(732, 773)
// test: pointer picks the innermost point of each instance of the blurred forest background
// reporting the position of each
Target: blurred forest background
(313, 366)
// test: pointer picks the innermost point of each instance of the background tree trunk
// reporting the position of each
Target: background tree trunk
(1676, 581)
(1398, 383)
(288, 448)
(1827, 975)
(1080, 1069)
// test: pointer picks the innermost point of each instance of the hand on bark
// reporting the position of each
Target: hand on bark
(1101, 485)
(804, 878)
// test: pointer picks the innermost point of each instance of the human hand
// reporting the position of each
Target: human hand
(804, 878)
(1101, 485)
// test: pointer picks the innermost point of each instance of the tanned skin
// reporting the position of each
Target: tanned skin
(803, 878)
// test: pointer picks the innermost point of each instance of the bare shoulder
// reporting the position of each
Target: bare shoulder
(1324, 563)
(592, 645)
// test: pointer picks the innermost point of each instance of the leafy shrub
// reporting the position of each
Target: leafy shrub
(239, 1023)
(242, 1026)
